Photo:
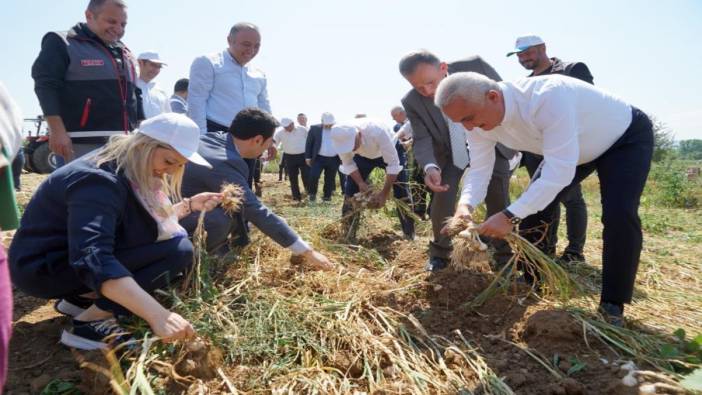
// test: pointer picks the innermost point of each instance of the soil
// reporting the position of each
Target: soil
(502, 329)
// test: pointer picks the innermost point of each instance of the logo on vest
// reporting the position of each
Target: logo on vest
(92, 62)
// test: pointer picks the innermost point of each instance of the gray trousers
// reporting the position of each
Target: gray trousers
(443, 205)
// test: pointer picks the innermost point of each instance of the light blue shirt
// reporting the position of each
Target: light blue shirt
(220, 87)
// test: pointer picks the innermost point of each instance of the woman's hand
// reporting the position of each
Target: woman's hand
(170, 327)
(205, 201)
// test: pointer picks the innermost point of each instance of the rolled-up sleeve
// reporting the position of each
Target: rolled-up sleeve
(557, 119)
(476, 177)
(387, 149)
(94, 205)
(348, 165)
(49, 73)
(199, 88)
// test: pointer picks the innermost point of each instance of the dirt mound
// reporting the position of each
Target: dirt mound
(200, 360)
(552, 331)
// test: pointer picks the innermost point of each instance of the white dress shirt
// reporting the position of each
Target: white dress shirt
(326, 149)
(291, 143)
(153, 98)
(566, 120)
(376, 141)
(404, 133)
(220, 87)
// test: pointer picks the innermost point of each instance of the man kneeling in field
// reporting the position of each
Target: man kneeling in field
(250, 134)
(578, 128)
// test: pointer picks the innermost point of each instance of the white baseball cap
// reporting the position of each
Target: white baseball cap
(178, 131)
(328, 118)
(285, 122)
(525, 42)
(343, 138)
(151, 56)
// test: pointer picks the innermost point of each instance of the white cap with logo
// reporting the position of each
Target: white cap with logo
(151, 56)
(178, 131)
(285, 122)
(525, 42)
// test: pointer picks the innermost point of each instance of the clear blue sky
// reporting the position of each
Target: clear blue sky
(342, 56)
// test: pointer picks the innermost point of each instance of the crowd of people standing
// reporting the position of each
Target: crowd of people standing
(112, 223)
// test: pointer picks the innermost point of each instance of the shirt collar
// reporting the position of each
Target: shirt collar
(146, 84)
(508, 95)
(229, 56)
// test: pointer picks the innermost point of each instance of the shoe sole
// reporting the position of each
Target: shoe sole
(67, 308)
(81, 343)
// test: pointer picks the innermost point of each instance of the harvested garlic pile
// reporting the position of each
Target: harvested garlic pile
(468, 250)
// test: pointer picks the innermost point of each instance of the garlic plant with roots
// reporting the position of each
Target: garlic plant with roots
(467, 246)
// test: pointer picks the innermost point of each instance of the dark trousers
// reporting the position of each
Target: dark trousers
(400, 189)
(295, 164)
(622, 171)
(153, 266)
(576, 212)
(17, 165)
(330, 166)
(443, 205)
(283, 168)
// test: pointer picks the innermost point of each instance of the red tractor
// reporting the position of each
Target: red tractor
(38, 158)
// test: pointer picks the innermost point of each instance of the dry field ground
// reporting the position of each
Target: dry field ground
(382, 325)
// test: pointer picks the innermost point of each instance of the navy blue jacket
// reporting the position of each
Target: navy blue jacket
(76, 219)
(314, 142)
(229, 167)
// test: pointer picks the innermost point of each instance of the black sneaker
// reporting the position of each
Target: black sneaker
(571, 258)
(434, 264)
(613, 313)
(72, 305)
(95, 335)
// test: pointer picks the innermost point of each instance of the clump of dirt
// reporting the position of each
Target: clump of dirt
(200, 359)
(553, 331)
(387, 243)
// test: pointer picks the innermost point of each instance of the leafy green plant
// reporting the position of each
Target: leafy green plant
(688, 350)
(60, 387)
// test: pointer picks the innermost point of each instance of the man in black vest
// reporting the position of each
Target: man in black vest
(531, 52)
(84, 79)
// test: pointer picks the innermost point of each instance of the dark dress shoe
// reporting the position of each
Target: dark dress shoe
(613, 313)
(434, 264)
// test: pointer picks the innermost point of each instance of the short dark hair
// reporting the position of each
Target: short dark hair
(409, 62)
(181, 85)
(302, 114)
(95, 6)
(251, 122)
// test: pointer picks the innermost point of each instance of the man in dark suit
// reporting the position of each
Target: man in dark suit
(531, 52)
(321, 156)
(440, 148)
(250, 134)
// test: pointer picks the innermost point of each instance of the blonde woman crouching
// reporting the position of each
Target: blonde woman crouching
(101, 233)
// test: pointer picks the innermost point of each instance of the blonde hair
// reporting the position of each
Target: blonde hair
(133, 154)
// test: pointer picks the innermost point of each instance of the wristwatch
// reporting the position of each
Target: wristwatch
(512, 219)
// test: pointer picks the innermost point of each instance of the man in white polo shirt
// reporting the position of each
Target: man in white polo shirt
(154, 99)
(578, 128)
(364, 145)
(292, 141)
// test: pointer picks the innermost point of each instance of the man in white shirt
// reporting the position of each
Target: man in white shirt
(578, 128)
(302, 120)
(154, 99)
(364, 145)
(321, 156)
(292, 141)
(223, 83)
